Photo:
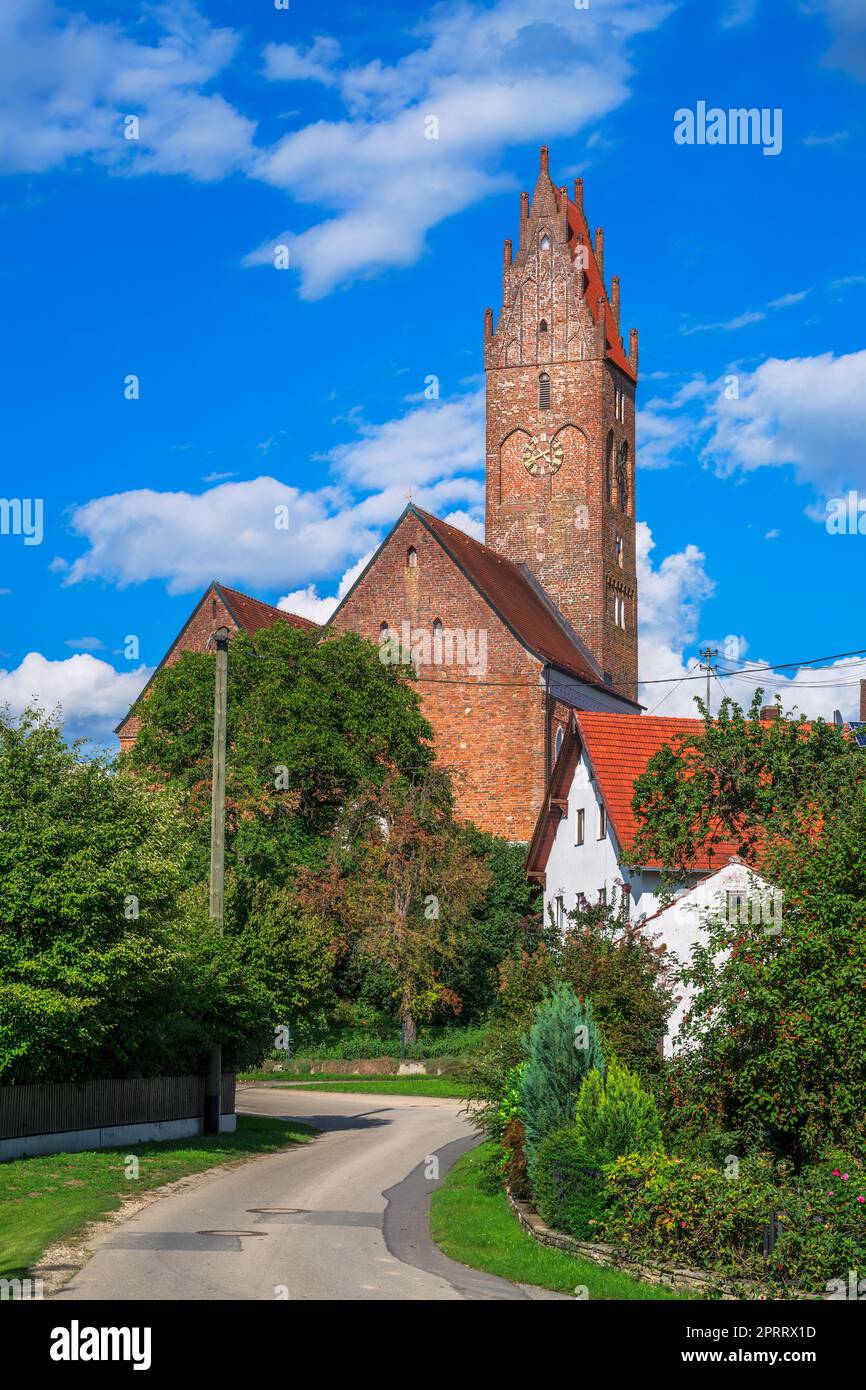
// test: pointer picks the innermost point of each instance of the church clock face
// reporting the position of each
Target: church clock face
(542, 456)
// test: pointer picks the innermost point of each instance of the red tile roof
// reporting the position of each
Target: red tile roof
(252, 614)
(619, 747)
(595, 288)
(514, 597)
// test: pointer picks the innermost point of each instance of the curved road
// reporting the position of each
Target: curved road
(344, 1216)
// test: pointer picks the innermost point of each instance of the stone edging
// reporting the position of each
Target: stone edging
(650, 1271)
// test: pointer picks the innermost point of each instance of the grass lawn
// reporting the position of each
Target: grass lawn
(46, 1199)
(389, 1085)
(477, 1227)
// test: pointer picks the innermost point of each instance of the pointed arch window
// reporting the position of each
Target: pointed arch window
(542, 327)
(608, 467)
(545, 242)
(411, 558)
(544, 391)
(622, 476)
(557, 743)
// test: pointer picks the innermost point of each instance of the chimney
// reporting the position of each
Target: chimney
(769, 712)
(599, 249)
(863, 700)
(578, 192)
(488, 323)
(524, 207)
(544, 160)
(614, 298)
(632, 348)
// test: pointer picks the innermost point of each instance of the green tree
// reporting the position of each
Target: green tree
(739, 782)
(107, 968)
(628, 976)
(402, 880)
(310, 723)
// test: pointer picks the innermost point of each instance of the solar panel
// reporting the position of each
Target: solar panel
(858, 729)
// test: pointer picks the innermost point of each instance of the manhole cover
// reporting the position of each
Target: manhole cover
(231, 1233)
(279, 1211)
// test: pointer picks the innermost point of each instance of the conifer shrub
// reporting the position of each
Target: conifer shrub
(615, 1116)
(562, 1049)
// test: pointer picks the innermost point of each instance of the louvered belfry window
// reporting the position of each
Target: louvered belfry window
(544, 392)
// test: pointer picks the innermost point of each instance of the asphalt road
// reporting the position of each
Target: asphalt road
(342, 1217)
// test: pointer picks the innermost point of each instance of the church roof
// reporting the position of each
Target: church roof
(250, 615)
(517, 599)
(595, 287)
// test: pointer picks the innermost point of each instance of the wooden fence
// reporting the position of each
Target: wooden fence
(58, 1107)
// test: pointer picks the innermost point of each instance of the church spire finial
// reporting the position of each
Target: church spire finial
(544, 161)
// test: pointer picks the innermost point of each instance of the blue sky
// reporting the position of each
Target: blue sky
(304, 127)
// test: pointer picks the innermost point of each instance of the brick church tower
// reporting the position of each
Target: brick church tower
(561, 427)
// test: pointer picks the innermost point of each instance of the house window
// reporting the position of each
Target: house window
(602, 822)
(412, 558)
(560, 913)
(579, 826)
(737, 906)
(602, 896)
(544, 392)
(557, 743)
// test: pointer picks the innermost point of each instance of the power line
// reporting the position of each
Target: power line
(755, 670)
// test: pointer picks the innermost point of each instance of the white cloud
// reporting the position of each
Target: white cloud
(847, 23)
(67, 84)
(809, 412)
(671, 596)
(434, 452)
(309, 604)
(491, 77)
(93, 697)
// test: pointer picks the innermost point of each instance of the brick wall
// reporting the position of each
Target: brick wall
(563, 525)
(210, 613)
(489, 729)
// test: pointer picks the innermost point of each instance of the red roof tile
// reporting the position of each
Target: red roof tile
(252, 614)
(595, 288)
(619, 747)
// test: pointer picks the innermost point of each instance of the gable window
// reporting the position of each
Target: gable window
(545, 242)
(737, 906)
(602, 896)
(383, 631)
(557, 743)
(412, 558)
(579, 826)
(542, 327)
(544, 391)
(602, 822)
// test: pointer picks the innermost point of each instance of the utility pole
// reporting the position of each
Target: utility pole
(220, 638)
(707, 665)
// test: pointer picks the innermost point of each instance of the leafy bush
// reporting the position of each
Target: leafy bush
(615, 1115)
(563, 1048)
(569, 1186)
(107, 967)
(693, 1214)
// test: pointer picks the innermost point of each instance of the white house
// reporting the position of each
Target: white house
(586, 828)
